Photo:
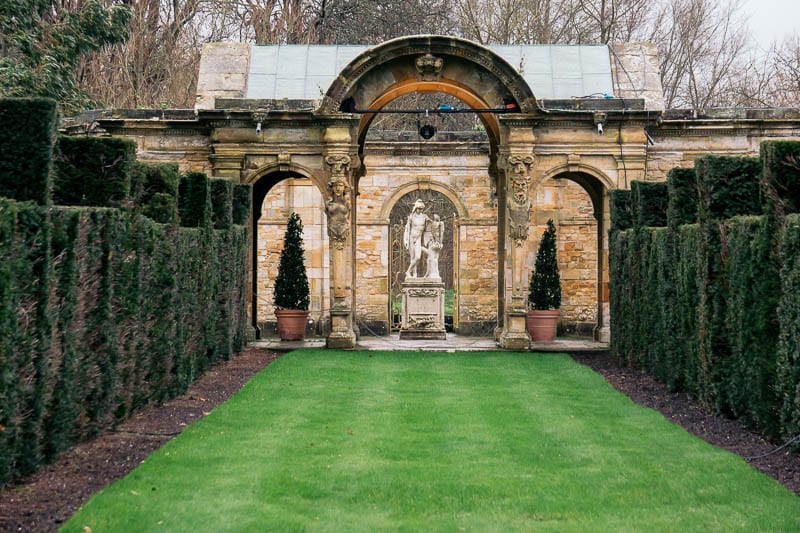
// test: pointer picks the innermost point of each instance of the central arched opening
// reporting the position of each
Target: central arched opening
(399, 167)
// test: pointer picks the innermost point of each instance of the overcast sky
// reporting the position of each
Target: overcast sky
(771, 20)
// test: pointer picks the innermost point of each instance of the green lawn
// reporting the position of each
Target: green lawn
(420, 441)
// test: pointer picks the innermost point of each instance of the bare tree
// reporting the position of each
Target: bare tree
(375, 21)
(520, 21)
(786, 68)
(701, 44)
(606, 21)
(157, 65)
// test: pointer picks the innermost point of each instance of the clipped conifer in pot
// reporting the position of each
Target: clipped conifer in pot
(291, 286)
(544, 292)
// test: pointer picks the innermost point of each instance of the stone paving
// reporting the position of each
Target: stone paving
(453, 343)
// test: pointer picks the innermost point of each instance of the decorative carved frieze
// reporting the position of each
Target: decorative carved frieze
(427, 293)
(260, 116)
(423, 322)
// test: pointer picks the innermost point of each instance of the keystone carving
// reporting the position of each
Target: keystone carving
(429, 67)
(284, 161)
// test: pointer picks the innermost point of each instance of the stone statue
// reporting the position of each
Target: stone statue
(412, 237)
(338, 209)
(432, 240)
(423, 296)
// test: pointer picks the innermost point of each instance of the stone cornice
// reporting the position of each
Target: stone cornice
(698, 128)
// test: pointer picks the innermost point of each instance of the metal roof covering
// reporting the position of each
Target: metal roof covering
(306, 71)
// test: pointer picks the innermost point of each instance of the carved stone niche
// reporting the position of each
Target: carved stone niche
(423, 309)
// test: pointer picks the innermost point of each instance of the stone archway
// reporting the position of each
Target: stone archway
(271, 207)
(595, 184)
(452, 63)
(487, 84)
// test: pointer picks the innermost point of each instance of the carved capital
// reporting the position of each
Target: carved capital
(339, 164)
(429, 67)
(519, 164)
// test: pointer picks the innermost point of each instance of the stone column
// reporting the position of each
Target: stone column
(517, 219)
(338, 207)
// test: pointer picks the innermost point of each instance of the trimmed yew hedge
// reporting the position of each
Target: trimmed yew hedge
(649, 203)
(682, 197)
(101, 312)
(222, 203)
(26, 148)
(728, 187)
(788, 360)
(782, 174)
(242, 202)
(102, 309)
(93, 171)
(713, 308)
(621, 210)
(194, 200)
(154, 189)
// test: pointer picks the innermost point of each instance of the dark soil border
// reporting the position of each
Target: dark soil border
(44, 501)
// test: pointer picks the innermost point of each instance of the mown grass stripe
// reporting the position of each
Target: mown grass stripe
(437, 442)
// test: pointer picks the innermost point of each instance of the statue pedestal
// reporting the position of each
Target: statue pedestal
(423, 309)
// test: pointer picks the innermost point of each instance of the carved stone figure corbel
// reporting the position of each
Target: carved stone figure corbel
(519, 204)
(338, 204)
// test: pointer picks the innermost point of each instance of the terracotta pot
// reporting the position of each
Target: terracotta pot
(291, 324)
(542, 325)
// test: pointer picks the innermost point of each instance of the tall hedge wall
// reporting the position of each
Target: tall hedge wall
(621, 210)
(682, 193)
(102, 311)
(154, 188)
(788, 360)
(727, 358)
(194, 200)
(26, 146)
(222, 203)
(728, 187)
(712, 307)
(93, 171)
(242, 200)
(649, 203)
(782, 174)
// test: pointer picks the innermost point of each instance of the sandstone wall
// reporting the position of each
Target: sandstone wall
(463, 177)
